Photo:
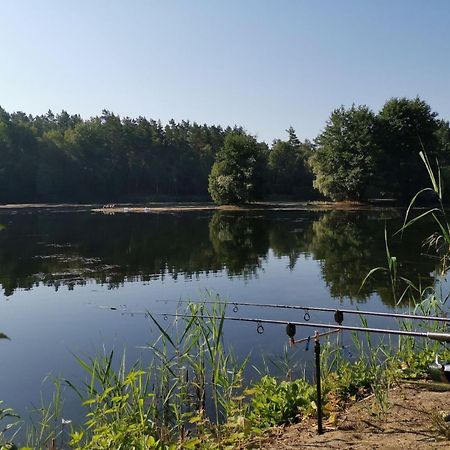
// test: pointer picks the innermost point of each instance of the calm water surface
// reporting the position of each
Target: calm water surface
(62, 270)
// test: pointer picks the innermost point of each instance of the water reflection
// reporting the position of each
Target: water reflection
(350, 244)
(240, 242)
(72, 248)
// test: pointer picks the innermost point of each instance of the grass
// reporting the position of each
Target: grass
(441, 423)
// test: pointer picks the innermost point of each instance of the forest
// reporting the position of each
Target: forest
(358, 155)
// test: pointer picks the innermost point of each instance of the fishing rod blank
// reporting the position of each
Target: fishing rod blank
(318, 308)
(442, 337)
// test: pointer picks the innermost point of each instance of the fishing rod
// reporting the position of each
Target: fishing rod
(316, 308)
(442, 337)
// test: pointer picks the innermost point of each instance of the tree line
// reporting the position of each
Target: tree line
(358, 155)
(62, 157)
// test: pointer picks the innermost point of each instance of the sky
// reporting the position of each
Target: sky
(262, 64)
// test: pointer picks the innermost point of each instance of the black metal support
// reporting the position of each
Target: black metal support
(318, 385)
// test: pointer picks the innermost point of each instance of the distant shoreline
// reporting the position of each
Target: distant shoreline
(258, 206)
(160, 207)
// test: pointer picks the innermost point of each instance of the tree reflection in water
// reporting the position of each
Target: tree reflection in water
(350, 244)
(71, 248)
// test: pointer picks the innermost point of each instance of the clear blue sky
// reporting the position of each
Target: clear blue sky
(262, 64)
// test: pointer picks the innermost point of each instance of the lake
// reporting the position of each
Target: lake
(77, 282)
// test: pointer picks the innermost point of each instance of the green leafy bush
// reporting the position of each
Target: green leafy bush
(276, 403)
(119, 417)
(352, 380)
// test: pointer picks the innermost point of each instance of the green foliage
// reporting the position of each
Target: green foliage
(237, 176)
(361, 154)
(277, 403)
(351, 380)
(141, 409)
(345, 159)
(441, 423)
(414, 364)
(119, 416)
(440, 239)
(287, 164)
(283, 161)
(61, 157)
(407, 126)
(154, 407)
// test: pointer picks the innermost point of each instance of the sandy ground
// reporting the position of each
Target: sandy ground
(409, 424)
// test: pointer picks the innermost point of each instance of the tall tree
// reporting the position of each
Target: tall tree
(407, 126)
(345, 158)
(289, 171)
(237, 176)
(293, 139)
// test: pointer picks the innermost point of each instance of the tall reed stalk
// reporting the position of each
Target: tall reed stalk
(192, 386)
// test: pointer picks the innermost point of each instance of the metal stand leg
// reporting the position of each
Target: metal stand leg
(319, 387)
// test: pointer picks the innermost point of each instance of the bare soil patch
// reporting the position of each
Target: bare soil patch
(410, 423)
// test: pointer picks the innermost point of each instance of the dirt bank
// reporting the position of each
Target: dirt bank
(411, 423)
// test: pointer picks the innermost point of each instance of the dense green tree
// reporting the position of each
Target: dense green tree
(289, 172)
(19, 149)
(443, 138)
(407, 126)
(345, 159)
(443, 142)
(237, 176)
(283, 164)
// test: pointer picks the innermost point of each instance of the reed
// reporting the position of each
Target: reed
(191, 388)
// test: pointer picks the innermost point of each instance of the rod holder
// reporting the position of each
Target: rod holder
(326, 333)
